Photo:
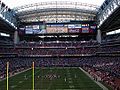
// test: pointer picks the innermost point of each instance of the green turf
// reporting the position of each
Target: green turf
(63, 78)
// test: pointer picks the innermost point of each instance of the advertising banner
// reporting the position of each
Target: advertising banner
(74, 30)
(57, 29)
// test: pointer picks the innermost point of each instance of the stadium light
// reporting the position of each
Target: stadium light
(113, 32)
(4, 34)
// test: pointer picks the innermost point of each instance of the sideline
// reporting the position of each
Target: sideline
(16, 74)
(98, 83)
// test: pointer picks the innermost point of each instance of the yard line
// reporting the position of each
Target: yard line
(51, 81)
(70, 79)
(36, 84)
(13, 86)
(72, 86)
(20, 81)
(29, 76)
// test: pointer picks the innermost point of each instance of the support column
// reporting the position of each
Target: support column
(98, 37)
(16, 37)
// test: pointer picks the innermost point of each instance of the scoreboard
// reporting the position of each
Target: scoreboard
(35, 29)
(44, 28)
(58, 28)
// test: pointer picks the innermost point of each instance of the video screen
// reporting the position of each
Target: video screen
(60, 28)
(29, 30)
(35, 29)
(57, 29)
(74, 28)
(93, 28)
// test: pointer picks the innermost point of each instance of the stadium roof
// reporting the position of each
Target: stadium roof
(56, 11)
(31, 9)
(16, 3)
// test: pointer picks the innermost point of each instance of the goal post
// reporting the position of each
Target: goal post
(7, 74)
(33, 82)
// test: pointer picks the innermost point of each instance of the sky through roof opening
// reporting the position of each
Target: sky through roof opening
(16, 3)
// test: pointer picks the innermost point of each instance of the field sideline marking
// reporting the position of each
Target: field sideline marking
(98, 83)
(15, 74)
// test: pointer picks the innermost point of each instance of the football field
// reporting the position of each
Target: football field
(51, 79)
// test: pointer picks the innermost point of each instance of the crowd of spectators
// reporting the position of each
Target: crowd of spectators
(105, 69)
(62, 48)
(111, 38)
(56, 51)
(5, 40)
(15, 65)
(56, 44)
(109, 48)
